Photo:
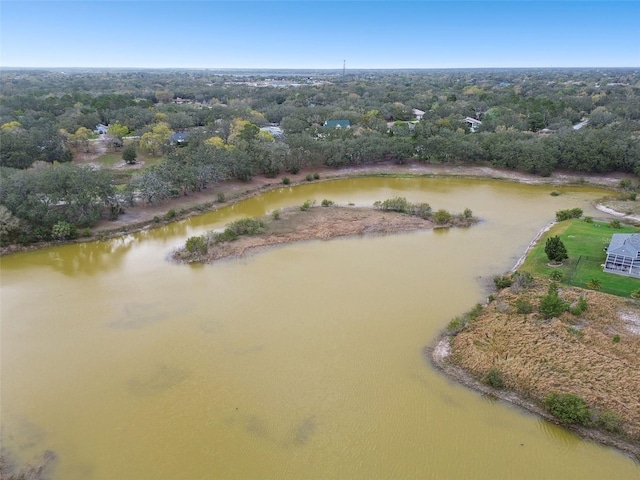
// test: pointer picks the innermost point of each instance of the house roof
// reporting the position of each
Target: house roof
(273, 130)
(343, 123)
(624, 244)
(179, 136)
(472, 121)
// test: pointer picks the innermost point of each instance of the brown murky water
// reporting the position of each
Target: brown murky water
(300, 362)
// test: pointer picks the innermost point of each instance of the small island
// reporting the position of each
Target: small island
(312, 222)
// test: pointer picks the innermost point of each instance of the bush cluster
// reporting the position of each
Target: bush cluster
(501, 282)
(568, 408)
(567, 214)
(244, 226)
(551, 304)
(307, 205)
(197, 245)
(494, 378)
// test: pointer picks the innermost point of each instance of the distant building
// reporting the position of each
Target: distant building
(178, 138)
(418, 114)
(337, 124)
(274, 130)
(582, 123)
(623, 255)
(473, 124)
(101, 129)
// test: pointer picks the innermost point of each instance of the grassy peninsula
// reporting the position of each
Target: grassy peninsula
(551, 341)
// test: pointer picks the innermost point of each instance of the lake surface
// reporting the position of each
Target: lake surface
(304, 361)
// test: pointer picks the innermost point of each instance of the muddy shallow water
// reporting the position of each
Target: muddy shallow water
(304, 361)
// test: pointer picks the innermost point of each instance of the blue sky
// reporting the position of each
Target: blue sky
(319, 34)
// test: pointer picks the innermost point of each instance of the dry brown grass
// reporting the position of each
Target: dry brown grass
(317, 223)
(570, 354)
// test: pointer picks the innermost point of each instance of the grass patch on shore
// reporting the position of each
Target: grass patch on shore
(585, 243)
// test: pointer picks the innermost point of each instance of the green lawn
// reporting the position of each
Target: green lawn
(585, 243)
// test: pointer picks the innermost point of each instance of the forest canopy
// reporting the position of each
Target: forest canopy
(199, 127)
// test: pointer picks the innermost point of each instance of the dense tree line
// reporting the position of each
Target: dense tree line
(537, 121)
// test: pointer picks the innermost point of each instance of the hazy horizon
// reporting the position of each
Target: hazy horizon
(319, 35)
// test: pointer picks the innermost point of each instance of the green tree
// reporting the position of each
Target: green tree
(129, 154)
(555, 250)
(551, 305)
(117, 132)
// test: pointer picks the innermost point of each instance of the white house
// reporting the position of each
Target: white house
(473, 124)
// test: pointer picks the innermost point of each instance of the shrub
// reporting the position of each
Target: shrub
(594, 284)
(307, 205)
(221, 198)
(63, 231)
(227, 235)
(608, 420)
(575, 332)
(156, 218)
(552, 305)
(615, 224)
(521, 281)
(286, 180)
(467, 214)
(523, 306)
(442, 217)
(316, 176)
(422, 210)
(616, 338)
(554, 193)
(625, 184)
(588, 219)
(568, 408)
(556, 275)
(494, 378)
(197, 245)
(170, 214)
(502, 282)
(244, 226)
(327, 203)
(309, 177)
(579, 308)
(567, 214)
(635, 293)
(396, 204)
(276, 214)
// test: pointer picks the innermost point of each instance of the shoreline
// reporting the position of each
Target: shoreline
(295, 225)
(438, 353)
(143, 217)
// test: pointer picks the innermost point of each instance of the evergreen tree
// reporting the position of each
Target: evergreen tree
(555, 250)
